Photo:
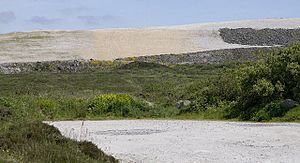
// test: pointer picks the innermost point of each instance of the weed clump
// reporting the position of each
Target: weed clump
(115, 104)
(48, 107)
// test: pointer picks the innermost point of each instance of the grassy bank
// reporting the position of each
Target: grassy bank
(213, 90)
(152, 82)
(29, 141)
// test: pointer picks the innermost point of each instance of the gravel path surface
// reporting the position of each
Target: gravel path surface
(189, 141)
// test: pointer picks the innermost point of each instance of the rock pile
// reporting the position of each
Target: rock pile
(208, 57)
(183, 103)
(71, 66)
(262, 37)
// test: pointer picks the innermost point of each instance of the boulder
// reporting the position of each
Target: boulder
(183, 103)
(4, 113)
(289, 104)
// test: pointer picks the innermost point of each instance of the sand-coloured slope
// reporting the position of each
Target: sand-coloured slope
(44, 46)
(109, 44)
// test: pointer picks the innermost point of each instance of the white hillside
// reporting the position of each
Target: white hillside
(108, 44)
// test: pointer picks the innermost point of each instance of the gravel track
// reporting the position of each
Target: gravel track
(189, 141)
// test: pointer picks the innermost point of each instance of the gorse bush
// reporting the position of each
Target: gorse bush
(115, 104)
(292, 115)
(255, 90)
(277, 77)
(211, 93)
(76, 107)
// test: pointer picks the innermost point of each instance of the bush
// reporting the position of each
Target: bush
(211, 93)
(261, 115)
(253, 91)
(292, 115)
(115, 104)
(275, 109)
(73, 108)
(268, 81)
(217, 111)
(200, 100)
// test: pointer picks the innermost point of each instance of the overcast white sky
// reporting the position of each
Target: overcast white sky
(27, 15)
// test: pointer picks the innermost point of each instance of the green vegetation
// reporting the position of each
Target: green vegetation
(265, 84)
(24, 138)
(38, 142)
(121, 105)
(142, 89)
(251, 91)
(136, 90)
(255, 91)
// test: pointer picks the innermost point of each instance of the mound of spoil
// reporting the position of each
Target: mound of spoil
(73, 66)
(261, 37)
(239, 55)
(110, 44)
(70, 66)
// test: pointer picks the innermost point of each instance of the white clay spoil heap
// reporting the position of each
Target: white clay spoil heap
(109, 44)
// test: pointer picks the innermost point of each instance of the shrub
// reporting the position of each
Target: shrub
(73, 108)
(212, 93)
(261, 115)
(217, 111)
(266, 82)
(201, 99)
(275, 109)
(115, 104)
(263, 88)
(292, 115)
(254, 90)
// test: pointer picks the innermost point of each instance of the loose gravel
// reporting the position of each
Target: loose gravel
(189, 141)
(263, 37)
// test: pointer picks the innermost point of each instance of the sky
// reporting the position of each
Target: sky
(28, 15)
